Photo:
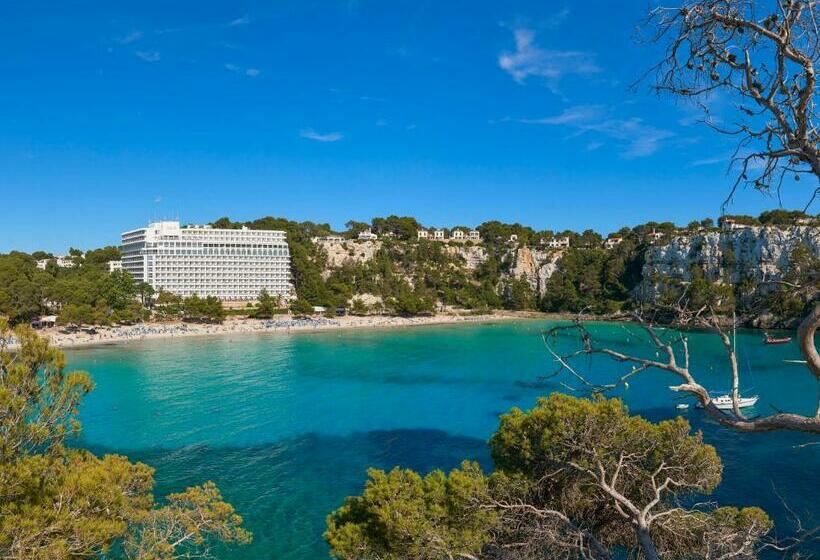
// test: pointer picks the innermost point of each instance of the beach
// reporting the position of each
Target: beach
(284, 324)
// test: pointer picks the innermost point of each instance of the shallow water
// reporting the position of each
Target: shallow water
(286, 425)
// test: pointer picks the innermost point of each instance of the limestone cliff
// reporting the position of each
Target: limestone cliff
(536, 266)
(356, 251)
(758, 253)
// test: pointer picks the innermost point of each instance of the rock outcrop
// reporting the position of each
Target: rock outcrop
(758, 253)
(472, 255)
(356, 251)
(536, 266)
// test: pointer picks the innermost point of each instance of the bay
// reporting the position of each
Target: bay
(287, 425)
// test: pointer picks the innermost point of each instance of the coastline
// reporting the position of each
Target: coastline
(153, 331)
(111, 336)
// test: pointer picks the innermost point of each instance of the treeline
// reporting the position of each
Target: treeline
(406, 276)
(85, 293)
(88, 294)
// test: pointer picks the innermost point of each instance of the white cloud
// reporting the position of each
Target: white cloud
(148, 56)
(635, 137)
(130, 38)
(244, 20)
(157, 199)
(250, 72)
(708, 161)
(571, 115)
(531, 60)
(311, 134)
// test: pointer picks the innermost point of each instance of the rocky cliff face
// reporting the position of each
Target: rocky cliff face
(473, 256)
(536, 266)
(356, 251)
(759, 253)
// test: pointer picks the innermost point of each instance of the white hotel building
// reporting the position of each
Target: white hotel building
(231, 264)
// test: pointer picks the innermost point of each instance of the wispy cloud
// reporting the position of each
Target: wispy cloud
(311, 134)
(708, 161)
(157, 199)
(373, 98)
(130, 38)
(635, 137)
(148, 56)
(243, 71)
(557, 18)
(244, 20)
(530, 60)
(572, 115)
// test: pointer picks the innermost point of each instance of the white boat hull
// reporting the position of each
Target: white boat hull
(725, 402)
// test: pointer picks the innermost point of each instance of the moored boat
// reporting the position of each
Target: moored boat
(724, 402)
(769, 339)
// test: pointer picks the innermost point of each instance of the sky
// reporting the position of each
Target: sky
(113, 114)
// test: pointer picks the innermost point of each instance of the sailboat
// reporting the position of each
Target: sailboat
(724, 402)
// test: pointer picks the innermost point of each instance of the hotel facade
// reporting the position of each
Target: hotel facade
(231, 264)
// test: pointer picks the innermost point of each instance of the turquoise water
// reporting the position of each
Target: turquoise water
(287, 424)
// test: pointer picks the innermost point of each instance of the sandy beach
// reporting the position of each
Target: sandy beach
(285, 324)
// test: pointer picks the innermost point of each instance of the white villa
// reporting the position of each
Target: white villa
(556, 242)
(62, 262)
(730, 224)
(367, 235)
(613, 242)
(327, 239)
(457, 235)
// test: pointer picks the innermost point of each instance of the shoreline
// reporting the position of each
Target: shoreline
(115, 336)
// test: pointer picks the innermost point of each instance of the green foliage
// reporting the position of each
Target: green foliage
(102, 256)
(403, 227)
(519, 295)
(22, 287)
(266, 307)
(740, 219)
(565, 471)
(401, 515)
(781, 217)
(301, 307)
(594, 279)
(58, 503)
(204, 310)
(495, 232)
(412, 302)
(358, 307)
(700, 293)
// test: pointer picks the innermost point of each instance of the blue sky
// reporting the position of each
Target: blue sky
(116, 113)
